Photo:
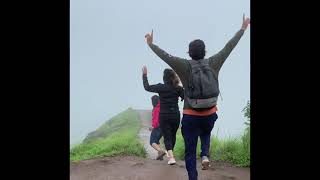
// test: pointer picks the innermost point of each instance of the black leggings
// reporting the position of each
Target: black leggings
(169, 124)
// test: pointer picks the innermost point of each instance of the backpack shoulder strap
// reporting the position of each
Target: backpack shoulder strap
(190, 81)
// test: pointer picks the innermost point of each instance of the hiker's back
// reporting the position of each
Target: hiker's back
(169, 98)
(202, 86)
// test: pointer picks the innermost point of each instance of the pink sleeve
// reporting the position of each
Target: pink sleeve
(155, 116)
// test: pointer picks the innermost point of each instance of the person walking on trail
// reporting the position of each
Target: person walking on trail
(155, 129)
(199, 77)
(169, 116)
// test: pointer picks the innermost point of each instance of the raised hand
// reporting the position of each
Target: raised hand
(144, 70)
(245, 22)
(149, 38)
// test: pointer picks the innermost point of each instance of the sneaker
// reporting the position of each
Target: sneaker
(160, 155)
(167, 154)
(171, 161)
(205, 162)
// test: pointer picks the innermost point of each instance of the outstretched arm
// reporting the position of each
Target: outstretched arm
(217, 60)
(151, 88)
(177, 64)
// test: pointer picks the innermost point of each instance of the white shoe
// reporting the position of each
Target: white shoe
(205, 162)
(167, 154)
(171, 161)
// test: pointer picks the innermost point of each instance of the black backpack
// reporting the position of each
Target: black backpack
(203, 87)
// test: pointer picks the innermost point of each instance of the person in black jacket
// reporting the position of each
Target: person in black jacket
(169, 94)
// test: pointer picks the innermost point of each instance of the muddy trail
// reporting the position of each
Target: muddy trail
(136, 168)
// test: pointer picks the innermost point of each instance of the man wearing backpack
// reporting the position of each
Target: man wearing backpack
(199, 77)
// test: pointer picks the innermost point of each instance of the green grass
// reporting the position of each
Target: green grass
(118, 136)
(179, 147)
(233, 150)
(73, 145)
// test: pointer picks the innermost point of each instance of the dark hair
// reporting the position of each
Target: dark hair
(197, 49)
(170, 77)
(155, 100)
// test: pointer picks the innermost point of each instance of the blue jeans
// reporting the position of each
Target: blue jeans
(155, 136)
(192, 128)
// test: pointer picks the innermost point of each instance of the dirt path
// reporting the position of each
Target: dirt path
(135, 168)
(144, 134)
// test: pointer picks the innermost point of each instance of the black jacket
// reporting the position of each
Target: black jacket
(168, 94)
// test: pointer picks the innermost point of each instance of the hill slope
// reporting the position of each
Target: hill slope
(118, 136)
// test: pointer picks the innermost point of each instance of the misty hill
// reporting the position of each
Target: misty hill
(117, 136)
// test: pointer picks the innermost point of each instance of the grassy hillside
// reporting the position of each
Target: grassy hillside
(234, 150)
(118, 136)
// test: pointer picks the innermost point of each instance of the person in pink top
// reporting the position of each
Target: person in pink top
(155, 129)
